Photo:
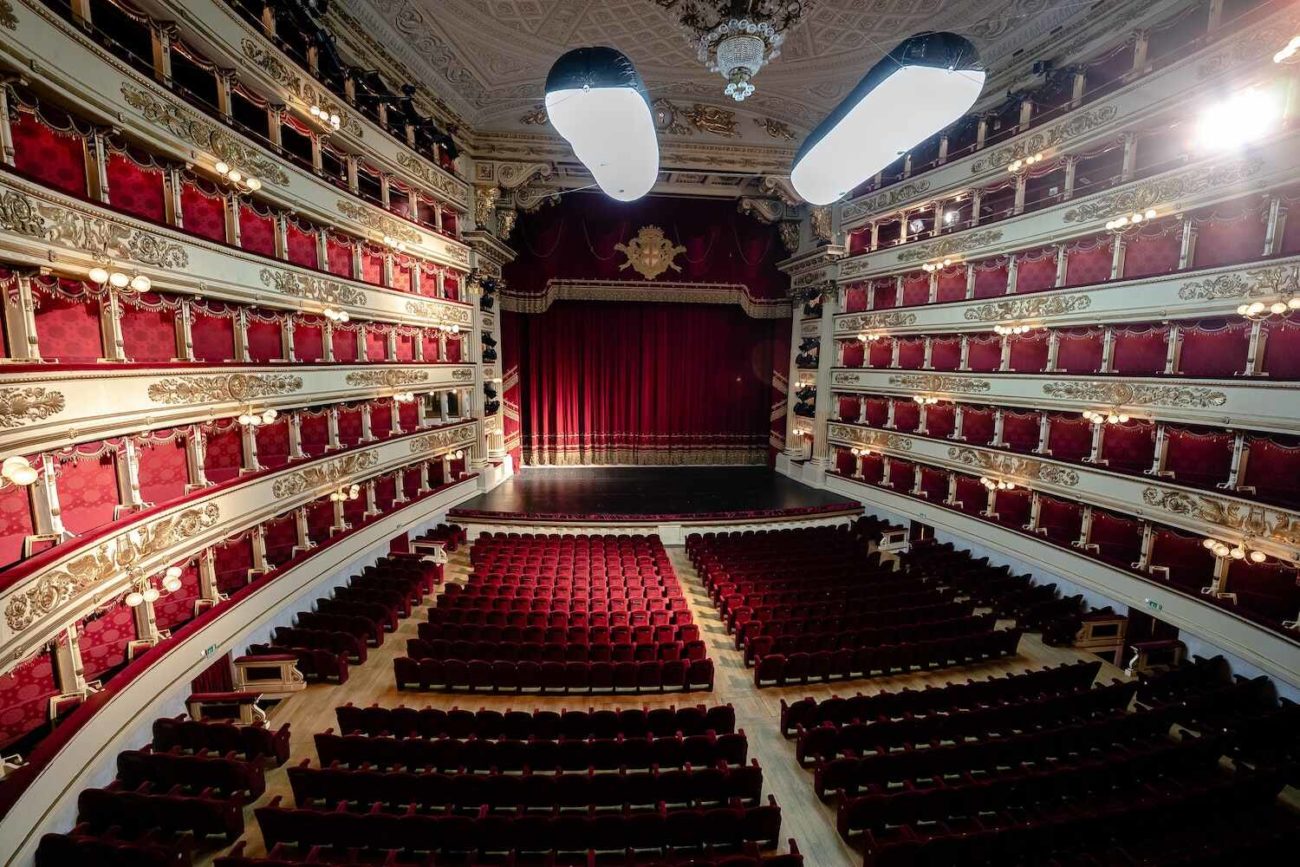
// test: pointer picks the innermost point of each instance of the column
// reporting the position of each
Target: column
(927, 359)
(20, 317)
(209, 594)
(1085, 529)
(1117, 258)
(444, 414)
(1141, 40)
(970, 281)
(951, 499)
(1044, 432)
(248, 438)
(990, 509)
(295, 437)
(241, 336)
(368, 490)
(998, 421)
(424, 487)
(390, 343)
(1004, 361)
(1276, 224)
(367, 435)
(6, 131)
(862, 409)
(195, 450)
(146, 627)
(923, 422)
(442, 345)
(1240, 454)
(958, 418)
(446, 468)
(894, 348)
(128, 476)
(257, 539)
(1255, 352)
(69, 672)
(1148, 541)
(1035, 512)
(1129, 166)
(1071, 170)
(1013, 272)
(1026, 114)
(1161, 453)
(1062, 263)
(302, 531)
(363, 345)
(97, 167)
(1018, 207)
(1095, 447)
(286, 338)
(399, 484)
(976, 200)
(395, 421)
(47, 519)
(185, 331)
(110, 326)
(889, 414)
(963, 362)
(1107, 350)
(332, 429)
(1079, 83)
(1053, 349)
(338, 523)
(160, 38)
(1187, 247)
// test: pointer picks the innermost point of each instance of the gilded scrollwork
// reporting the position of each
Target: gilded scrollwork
(1013, 466)
(869, 438)
(940, 383)
(1136, 394)
(387, 378)
(103, 562)
(1028, 308)
(442, 439)
(867, 321)
(55, 224)
(19, 406)
(883, 200)
(324, 475)
(312, 288)
(222, 388)
(1260, 522)
(650, 253)
(441, 312)
(8, 20)
(1163, 191)
(377, 222)
(955, 245)
(1073, 125)
(435, 179)
(1256, 283)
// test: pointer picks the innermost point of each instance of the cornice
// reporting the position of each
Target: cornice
(641, 290)
(52, 406)
(42, 228)
(1249, 404)
(77, 577)
(1273, 530)
(1267, 650)
(1272, 163)
(1163, 90)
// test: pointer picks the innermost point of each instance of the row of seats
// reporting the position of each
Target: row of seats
(489, 724)
(746, 855)
(816, 637)
(777, 620)
(543, 616)
(248, 742)
(543, 634)
(515, 651)
(226, 774)
(480, 675)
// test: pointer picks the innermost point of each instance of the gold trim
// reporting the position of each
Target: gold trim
(312, 288)
(1276, 280)
(870, 438)
(441, 312)
(387, 378)
(1075, 124)
(237, 387)
(891, 319)
(1014, 466)
(442, 439)
(8, 20)
(950, 246)
(887, 199)
(1163, 191)
(1136, 394)
(650, 253)
(456, 191)
(19, 406)
(56, 224)
(1257, 521)
(299, 86)
(940, 382)
(660, 291)
(325, 475)
(378, 222)
(1028, 308)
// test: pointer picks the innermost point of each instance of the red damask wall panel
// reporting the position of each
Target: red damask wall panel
(223, 455)
(148, 335)
(455, 349)
(315, 433)
(902, 475)
(349, 425)
(945, 353)
(1119, 540)
(68, 328)
(15, 522)
(1020, 430)
(405, 346)
(1079, 351)
(1269, 591)
(1282, 346)
(1234, 232)
(907, 415)
(1069, 439)
(991, 277)
(971, 495)
(376, 343)
(24, 697)
(1199, 458)
(939, 419)
(1061, 521)
(1036, 271)
(345, 344)
(136, 189)
(1273, 470)
(1215, 351)
(265, 339)
(55, 157)
(984, 354)
(855, 298)
(203, 212)
(338, 255)
(916, 288)
(911, 353)
(372, 265)
(934, 484)
(300, 244)
(1190, 565)
(213, 337)
(233, 560)
(381, 419)
(256, 230)
(880, 353)
(877, 411)
(174, 609)
(854, 353)
(1129, 447)
(977, 426)
(88, 492)
(163, 473)
(308, 341)
(951, 284)
(104, 640)
(884, 293)
(1013, 508)
(1028, 352)
(273, 444)
(1140, 351)
(848, 408)
(1089, 262)
(1153, 251)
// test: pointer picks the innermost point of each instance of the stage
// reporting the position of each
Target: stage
(649, 496)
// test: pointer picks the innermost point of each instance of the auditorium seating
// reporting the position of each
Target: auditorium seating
(560, 614)
(247, 741)
(748, 855)
(488, 724)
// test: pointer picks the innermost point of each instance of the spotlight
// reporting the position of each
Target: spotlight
(1244, 117)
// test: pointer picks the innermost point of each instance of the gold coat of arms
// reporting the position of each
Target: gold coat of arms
(650, 253)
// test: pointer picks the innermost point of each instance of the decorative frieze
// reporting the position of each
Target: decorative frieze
(441, 312)
(1165, 190)
(940, 383)
(102, 238)
(1014, 466)
(312, 288)
(223, 387)
(952, 246)
(1027, 308)
(870, 438)
(1277, 280)
(456, 191)
(19, 406)
(868, 321)
(298, 85)
(105, 561)
(1136, 394)
(329, 474)
(440, 440)
(884, 200)
(371, 219)
(462, 374)
(387, 378)
(1073, 125)
(1248, 520)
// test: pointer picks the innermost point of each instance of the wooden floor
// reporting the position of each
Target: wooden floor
(803, 817)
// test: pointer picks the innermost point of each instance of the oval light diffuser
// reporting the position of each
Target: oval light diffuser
(595, 99)
(920, 87)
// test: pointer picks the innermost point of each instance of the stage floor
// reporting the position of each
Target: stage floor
(651, 493)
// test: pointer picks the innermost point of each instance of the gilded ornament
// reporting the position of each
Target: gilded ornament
(950, 246)
(462, 374)
(886, 199)
(535, 117)
(8, 20)
(18, 406)
(1276, 280)
(1136, 394)
(222, 388)
(1163, 191)
(442, 439)
(298, 85)
(105, 561)
(312, 288)
(1261, 522)
(54, 224)
(441, 312)
(506, 219)
(889, 319)
(711, 119)
(1073, 125)
(485, 202)
(435, 178)
(789, 232)
(869, 438)
(940, 382)
(324, 475)
(821, 223)
(846, 377)
(777, 129)
(367, 217)
(1028, 308)
(665, 117)
(1013, 466)
(387, 378)
(650, 253)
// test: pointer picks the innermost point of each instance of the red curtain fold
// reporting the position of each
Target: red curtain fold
(69, 328)
(163, 470)
(1215, 352)
(877, 411)
(256, 230)
(349, 425)
(15, 522)
(991, 277)
(939, 419)
(136, 189)
(1198, 459)
(977, 426)
(916, 288)
(1079, 351)
(315, 433)
(1089, 262)
(934, 484)
(148, 335)
(984, 355)
(951, 284)
(203, 213)
(300, 244)
(911, 353)
(1273, 470)
(1129, 448)
(273, 443)
(1020, 430)
(635, 383)
(1060, 520)
(344, 342)
(907, 415)
(1119, 540)
(1140, 352)
(308, 341)
(24, 696)
(1036, 271)
(265, 340)
(55, 157)
(223, 455)
(1282, 344)
(1028, 352)
(880, 353)
(1069, 439)
(945, 353)
(104, 639)
(854, 353)
(1190, 565)
(213, 337)
(88, 492)
(338, 255)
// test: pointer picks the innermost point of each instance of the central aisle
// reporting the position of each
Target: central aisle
(803, 816)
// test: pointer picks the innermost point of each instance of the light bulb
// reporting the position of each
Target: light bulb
(235, 177)
(134, 598)
(1255, 307)
(334, 120)
(1208, 543)
(1136, 218)
(254, 184)
(1241, 310)
(119, 280)
(245, 419)
(314, 110)
(141, 283)
(1112, 418)
(98, 275)
(1293, 303)
(221, 168)
(270, 415)
(1258, 556)
(151, 594)
(344, 316)
(1238, 553)
(1123, 419)
(1277, 308)
(171, 585)
(173, 572)
(23, 476)
(1150, 213)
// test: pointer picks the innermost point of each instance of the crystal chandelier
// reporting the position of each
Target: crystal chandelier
(736, 38)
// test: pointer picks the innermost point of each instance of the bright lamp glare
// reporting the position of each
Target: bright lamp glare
(907, 97)
(594, 99)
(1237, 121)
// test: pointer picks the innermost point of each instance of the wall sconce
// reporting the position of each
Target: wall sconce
(142, 589)
(1257, 311)
(1119, 224)
(119, 280)
(18, 471)
(344, 494)
(925, 400)
(1114, 416)
(996, 484)
(860, 452)
(1010, 330)
(872, 336)
(1223, 551)
(237, 178)
(337, 315)
(257, 419)
(1016, 165)
(397, 245)
(930, 267)
(329, 118)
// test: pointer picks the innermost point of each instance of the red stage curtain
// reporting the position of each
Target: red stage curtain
(213, 335)
(1214, 350)
(854, 353)
(234, 558)
(984, 354)
(911, 353)
(884, 293)
(377, 342)
(68, 327)
(135, 188)
(1119, 539)
(848, 407)
(1079, 351)
(256, 229)
(103, 640)
(176, 608)
(203, 211)
(1198, 458)
(952, 284)
(265, 340)
(977, 425)
(15, 523)
(315, 433)
(1230, 232)
(349, 425)
(1153, 250)
(945, 353)
(338, 254)
(1013, 508)
(88, 490)
(308, 340)
(877, 411)
(1190, 565)
(24, 696)
(372, 264)
(381, 419)
(300, 243)
(907, 415)
(971, 495)
(1062, 521)
(1069, 439)
(855, 298)
(902, 474)
(880, 353)
(1129, 448)
(916, 288)
(1028, 352)
(939, 419)
(1036, 271)
(55, 157)
(873, 469)
(934, 484)
(1273, 470)
(1265, 591)
(991, 277)
(1282, 344)
(1141, 351)
(405, 346)
(1020, 430)
(273, 443)
(149, 328)
(1089, 261)
(163, 471)
(344, 342)
(223, 455)
(641, 383)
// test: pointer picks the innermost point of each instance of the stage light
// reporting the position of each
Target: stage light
(596, 101)
(924, 84)
(1244, 117)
